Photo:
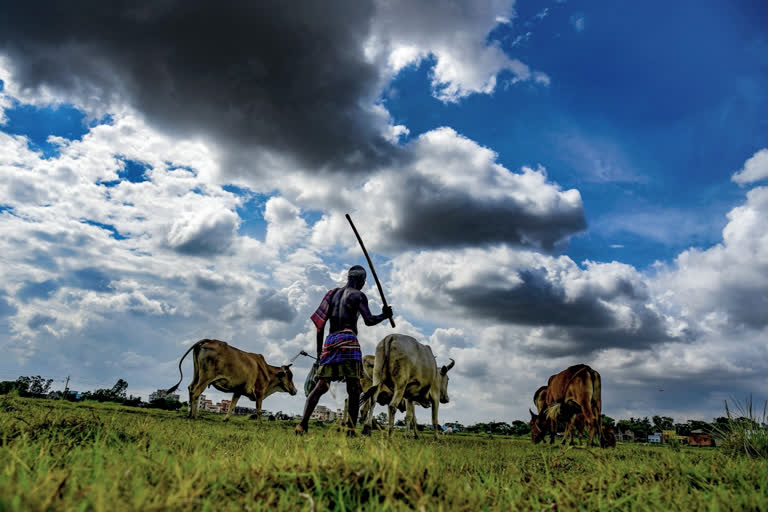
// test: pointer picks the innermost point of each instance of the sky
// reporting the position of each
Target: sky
(540, 184)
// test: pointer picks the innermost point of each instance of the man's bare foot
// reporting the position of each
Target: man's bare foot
(300, 431)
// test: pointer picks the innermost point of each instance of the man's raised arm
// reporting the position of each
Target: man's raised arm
(370, 319)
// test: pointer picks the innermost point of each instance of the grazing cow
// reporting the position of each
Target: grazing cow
(408, 368)
(572, 392)
(232, 370)
(576, 420)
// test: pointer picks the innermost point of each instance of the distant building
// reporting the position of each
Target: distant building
(700, 438)
(626, 436)
(161, 393)
(655, 438)
(323, 413)
(224, 406)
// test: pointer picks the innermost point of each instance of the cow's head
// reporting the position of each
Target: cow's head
(285, 379)
(444, 382)
(537, 424)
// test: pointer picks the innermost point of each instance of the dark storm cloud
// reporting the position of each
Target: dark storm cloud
(571, 326)
(278, 76)
(439, 217)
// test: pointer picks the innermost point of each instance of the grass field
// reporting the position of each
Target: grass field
(89, 456)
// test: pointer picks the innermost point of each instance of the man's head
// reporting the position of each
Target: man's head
(356, 277)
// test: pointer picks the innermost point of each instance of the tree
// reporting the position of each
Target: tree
(520, 428)
(34, 386)
(118, 390)
(115, 394)
(663, 423)
(607, 421)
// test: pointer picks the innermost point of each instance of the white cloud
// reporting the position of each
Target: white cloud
(755, 169)
(455, 35)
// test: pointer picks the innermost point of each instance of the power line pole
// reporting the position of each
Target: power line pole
(66, 387)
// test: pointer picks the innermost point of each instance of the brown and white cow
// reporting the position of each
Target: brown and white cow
(232, 370)
(574, 391)
(408, 368)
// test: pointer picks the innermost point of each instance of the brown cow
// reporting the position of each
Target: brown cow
(576, 420)
(572, 392)
(232, 370)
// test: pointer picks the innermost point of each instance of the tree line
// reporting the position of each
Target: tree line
(40, 387)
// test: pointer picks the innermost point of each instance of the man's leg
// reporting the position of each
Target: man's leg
(314, 396)
(353, 390)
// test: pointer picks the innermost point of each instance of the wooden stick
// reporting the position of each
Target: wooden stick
(370, 264)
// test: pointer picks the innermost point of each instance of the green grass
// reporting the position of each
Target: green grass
(65, 456)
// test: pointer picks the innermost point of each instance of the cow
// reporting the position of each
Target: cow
(409, 370)
(385, 396)
(232, 370)
(576, 420)
(574, 391)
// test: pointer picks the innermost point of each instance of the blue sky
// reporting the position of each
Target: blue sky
(541, 184)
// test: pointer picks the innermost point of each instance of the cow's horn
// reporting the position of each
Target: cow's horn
(447, 368)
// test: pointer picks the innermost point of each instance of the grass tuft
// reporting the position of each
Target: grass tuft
(746, 432)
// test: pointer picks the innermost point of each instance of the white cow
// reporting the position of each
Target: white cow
(408, 368)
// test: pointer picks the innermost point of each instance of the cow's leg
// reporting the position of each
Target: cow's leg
(568, 435)
(259, 401)
(232, 406)
(195, 390)
(414, 423)
(322, 386)
(410, 419)
(589, 421)
(397, 397)
(435, 426)
(369, 417)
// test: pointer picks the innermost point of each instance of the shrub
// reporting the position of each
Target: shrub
(745, 434)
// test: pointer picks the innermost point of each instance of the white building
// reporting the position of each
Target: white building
(655, 438)
(161, 393)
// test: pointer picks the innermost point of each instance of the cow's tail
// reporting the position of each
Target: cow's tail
(181, 374)
(381, 362)
(553, 411)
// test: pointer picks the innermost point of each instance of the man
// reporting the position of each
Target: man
(339, 358)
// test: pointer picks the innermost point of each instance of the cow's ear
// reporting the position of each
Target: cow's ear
(533, 416)
(289, 365)
(443, 370)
